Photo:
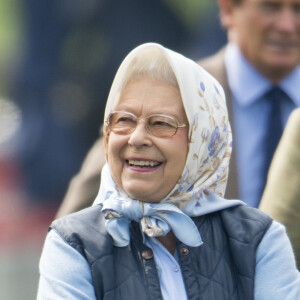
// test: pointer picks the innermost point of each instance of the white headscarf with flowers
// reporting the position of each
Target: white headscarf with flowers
(203, 181)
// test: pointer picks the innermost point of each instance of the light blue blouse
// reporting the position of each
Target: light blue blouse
(65, 274)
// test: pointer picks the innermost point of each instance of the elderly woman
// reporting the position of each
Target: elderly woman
(159, 228)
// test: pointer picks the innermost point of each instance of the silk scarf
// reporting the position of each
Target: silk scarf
(203, 181)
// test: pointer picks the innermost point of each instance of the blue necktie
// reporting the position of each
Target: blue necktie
(275, 97)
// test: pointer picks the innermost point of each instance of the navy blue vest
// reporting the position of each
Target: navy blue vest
(222, 268)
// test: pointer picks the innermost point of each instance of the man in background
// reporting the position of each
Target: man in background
(260, 72)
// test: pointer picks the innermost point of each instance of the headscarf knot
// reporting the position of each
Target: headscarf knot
(156, 219)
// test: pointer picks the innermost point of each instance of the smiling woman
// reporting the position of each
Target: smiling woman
(160, 227)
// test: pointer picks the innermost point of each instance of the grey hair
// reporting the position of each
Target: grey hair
(150, 63)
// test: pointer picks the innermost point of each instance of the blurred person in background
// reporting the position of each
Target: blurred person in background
(260, 72)
(281, 197)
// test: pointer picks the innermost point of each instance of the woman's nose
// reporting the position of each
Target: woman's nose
(140, 136)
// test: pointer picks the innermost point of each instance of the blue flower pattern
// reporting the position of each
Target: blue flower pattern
(210, 148)
(214, 142)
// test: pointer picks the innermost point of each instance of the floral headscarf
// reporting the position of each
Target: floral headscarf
(203, 180)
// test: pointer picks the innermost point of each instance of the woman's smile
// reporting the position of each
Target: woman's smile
(142, 164)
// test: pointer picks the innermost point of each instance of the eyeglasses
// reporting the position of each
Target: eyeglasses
(124, 123)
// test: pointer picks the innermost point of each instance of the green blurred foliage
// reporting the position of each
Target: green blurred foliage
(189, 11)
(10, 39)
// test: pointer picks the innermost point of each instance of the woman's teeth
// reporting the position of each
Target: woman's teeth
(143, 163)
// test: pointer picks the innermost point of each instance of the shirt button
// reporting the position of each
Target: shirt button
(184, 251)
(175, 269)
(147, 254)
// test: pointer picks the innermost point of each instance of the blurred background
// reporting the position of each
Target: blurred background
(57, 61)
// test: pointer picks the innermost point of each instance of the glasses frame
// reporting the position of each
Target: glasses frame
(146, 123)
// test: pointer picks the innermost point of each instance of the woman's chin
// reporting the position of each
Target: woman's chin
(143, 197)
(142, 194)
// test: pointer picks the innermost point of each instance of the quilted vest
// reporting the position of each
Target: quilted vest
(222, 268)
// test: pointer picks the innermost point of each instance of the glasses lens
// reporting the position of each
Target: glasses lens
(121, 123)
(162, 126)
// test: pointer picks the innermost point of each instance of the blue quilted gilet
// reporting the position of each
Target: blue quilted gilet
(222, 268)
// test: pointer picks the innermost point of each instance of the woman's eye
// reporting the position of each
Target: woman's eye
(125, 120)
(161, 123)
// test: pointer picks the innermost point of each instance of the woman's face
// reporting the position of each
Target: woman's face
(167, 155)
